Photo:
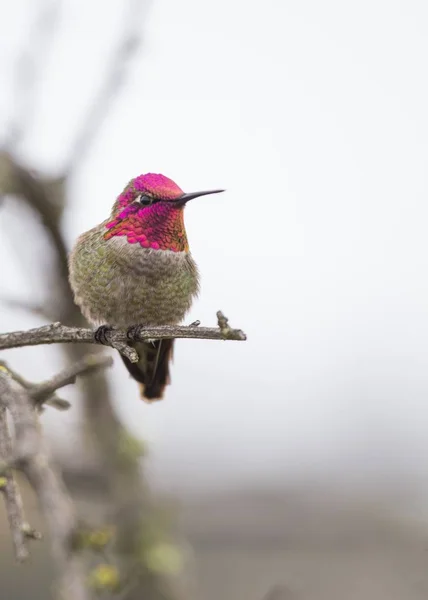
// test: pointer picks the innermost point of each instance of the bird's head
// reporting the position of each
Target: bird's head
(149, 211)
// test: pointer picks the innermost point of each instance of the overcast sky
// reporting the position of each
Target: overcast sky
(314, 117)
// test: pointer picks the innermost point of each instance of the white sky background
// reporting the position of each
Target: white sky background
(313, 116)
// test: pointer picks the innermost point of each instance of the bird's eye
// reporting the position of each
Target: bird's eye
(144, 200)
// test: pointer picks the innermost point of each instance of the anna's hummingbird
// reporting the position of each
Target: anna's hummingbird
(135, 268)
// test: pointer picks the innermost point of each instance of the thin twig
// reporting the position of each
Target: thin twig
(55, 333)
(86, 366)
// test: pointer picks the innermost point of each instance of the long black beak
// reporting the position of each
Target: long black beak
(186, 197)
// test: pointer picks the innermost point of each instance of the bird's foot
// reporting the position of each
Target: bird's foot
(102, 335)
(133, 332)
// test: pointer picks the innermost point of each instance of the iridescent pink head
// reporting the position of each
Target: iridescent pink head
(149, 212)
(158, 186)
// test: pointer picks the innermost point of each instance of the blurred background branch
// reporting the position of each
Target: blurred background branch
(30, 62)
(10, 491)
(127, 47)
(29, 454)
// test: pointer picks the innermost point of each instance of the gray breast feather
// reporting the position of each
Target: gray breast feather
(121, 284)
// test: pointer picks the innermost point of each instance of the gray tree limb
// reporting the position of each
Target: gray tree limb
(30, 455)
(32, 458)
(90, 363)
(44, 393)
(12, 496)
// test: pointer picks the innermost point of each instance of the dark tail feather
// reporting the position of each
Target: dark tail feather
(152, 370)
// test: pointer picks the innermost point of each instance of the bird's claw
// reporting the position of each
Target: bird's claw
(133, 332)
(101, 335)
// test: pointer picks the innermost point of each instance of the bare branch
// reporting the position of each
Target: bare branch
(21, 380)
(45, 392)
(86, 366)
(18, 180)
(32, 457)
(31, 394)
(12, 497)
(56, 333)
(54, 400)
(115, 78)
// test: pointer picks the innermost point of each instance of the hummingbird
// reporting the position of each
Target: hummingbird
(135, 268)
